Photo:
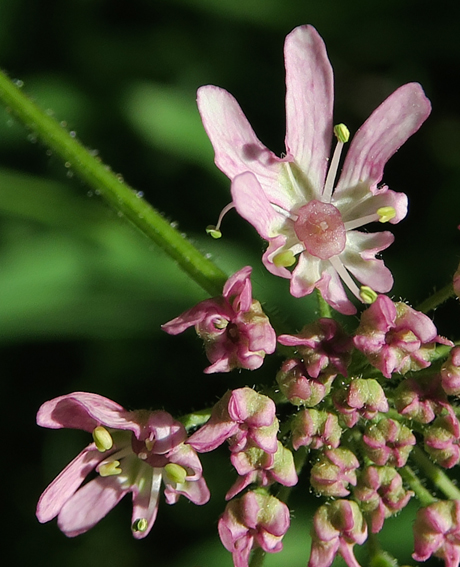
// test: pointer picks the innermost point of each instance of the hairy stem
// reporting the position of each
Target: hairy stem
(436, 299)
(424, 496)
(112, 188)
(435, 474)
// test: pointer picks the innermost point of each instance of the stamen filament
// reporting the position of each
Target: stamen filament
(331, 174)
(214, 231)
(345, 276)
(350, 225)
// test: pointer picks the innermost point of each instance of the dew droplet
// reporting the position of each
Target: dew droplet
(139, 194)
(72, 134)
(69, 173)
(18, 83)
(63, 124)
(174, 224)
(67, 164)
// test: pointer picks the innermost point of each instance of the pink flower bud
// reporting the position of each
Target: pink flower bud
(381, 492)
(450, 372)
(337, 527)
(420, 399)
(245, 418)
(437, 532)
(442, 440)
(396, 338)
(235, 330)
(323, 346)
(257, 466)
(254, 520)
(388, 443)
(315, 429)
(300, 388)
(359, 397)
(334, 471)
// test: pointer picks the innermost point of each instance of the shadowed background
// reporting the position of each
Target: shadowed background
(83, 295)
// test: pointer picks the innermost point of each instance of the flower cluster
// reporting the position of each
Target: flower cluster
(358, 407)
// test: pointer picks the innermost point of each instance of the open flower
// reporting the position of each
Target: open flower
(132, 452)
(293, 202)
(235, 330)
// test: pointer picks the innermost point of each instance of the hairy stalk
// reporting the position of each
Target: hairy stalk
(324, 308)
(257, 558)
(435, 474)
(110, 186)
(378, 557)
(436, 299)
(424, 496)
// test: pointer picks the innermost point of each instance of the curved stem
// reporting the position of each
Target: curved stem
(435, 474)
(436, 299)
(425, 497)
(112, 187)
(257, 558)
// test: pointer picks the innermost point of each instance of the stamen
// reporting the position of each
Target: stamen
(284, 259)
(285, 213)
(214, 231)
(384, 214)
(110, 468)
(102, 439)
(140, 525)
(292, 179)
(343, 134)
(367, 294)
(345, 276)
(175, 473)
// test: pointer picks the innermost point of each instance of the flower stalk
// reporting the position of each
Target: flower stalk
(112, 188)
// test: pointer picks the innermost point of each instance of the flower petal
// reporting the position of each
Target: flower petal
(238, 287)
(237, 148)
(90, 504)
(252, 204)
(145, 501)
(359, 259)
(67, 482)
(384, 132)
(83, 410)
(309, 103)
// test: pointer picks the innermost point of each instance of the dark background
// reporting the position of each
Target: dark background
(83, 295)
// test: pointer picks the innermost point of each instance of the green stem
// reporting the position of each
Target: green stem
(257, 558)
(323, 307)
(436, 475)
(408, 475)
(436, 299)
(112, 187)
(378, 557)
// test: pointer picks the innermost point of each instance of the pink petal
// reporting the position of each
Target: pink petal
(211, 435)
(67, 482)
(204, 311)
(145, 501)
(238, 286)
(82, 410)
(384, 132)
(90, 504)
(237, 148)
(359, 259)
(309, 103)
(252, 204)
(357, 202)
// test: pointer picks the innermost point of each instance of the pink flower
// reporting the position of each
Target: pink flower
(291, 201)
(450, 373)
(245, 418)
(255, 520)
(324, 347)
(298, 386)
(437, 532)
(337, 527)
(388, 442)
(235, 330)
(133, 451)
(442, 439)
(396, 338)
(333, 471)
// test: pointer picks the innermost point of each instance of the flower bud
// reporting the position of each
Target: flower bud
(334, 470)
(298, 387)
(388, 443)
(442, 440)
(315, 429)
(450, 371)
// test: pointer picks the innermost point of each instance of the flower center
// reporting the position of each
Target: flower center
(320, 228)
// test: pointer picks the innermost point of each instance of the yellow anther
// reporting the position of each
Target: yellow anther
(284, 259)
(109, 469)
(213, 231)
(140, 525)
(386, 214)
(149, 443)
(220, 323)
(175, 473)
(367, 294)
(342, 133)
(102, 438)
